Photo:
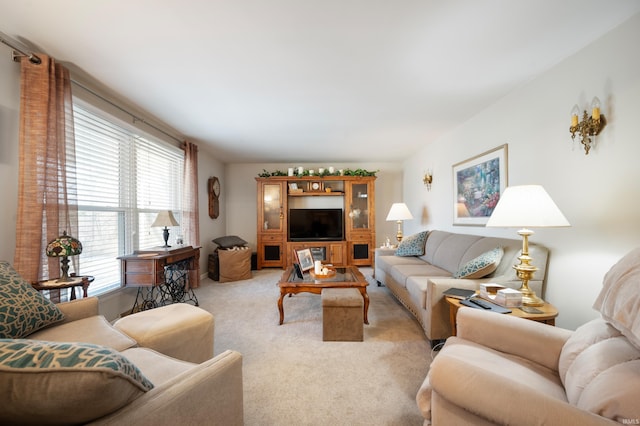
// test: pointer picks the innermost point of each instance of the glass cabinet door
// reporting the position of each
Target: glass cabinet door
(359, 206)
(272, 211)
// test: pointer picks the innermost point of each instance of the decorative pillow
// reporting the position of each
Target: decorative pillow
(64, 383)
(23, 309)
(230, 241)
(482, 265)
(413, 245)
(619, 299)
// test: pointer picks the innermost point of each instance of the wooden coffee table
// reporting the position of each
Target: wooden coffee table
(348, 277)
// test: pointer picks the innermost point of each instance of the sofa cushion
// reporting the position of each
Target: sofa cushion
(619, 299)
(413, 245)
(481, 266)
(23, 310)
(64, 383)
(157, 367)
(600, 370)
(95, 330)
(230, 241)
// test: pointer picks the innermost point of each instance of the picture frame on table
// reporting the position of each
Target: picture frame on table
(305, 259)
(477, 185)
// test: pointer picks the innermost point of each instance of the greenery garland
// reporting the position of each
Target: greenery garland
(345, 172)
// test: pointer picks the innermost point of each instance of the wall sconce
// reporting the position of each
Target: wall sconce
(427, 179)
(589, 126)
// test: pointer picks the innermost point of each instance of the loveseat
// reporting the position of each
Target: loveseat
(66, 364)
(504, 370)
(428, 263)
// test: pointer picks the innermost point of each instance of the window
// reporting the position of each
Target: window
(124, 179)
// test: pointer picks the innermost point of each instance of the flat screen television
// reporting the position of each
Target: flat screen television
(316, 225)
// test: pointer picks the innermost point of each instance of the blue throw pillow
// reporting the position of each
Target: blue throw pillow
(412, 245)
(23, 309)
(482, 265)
(64, 382)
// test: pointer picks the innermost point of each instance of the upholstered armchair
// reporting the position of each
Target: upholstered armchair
(509, 371)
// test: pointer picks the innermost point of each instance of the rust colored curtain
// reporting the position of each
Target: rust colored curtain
(190, 217)
(47, 201)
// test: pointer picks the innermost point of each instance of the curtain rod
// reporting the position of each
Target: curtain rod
(24, 51)
(19, 47)
(135, 117)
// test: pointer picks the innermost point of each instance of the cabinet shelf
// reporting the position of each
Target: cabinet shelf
(316, 194)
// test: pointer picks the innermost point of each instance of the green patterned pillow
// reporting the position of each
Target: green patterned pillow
(64, 383)
(482, 265)
(412, 245)
(23, 309)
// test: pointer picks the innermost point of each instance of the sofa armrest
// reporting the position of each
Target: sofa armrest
(210, 393)
(528, 339)
(78, 309)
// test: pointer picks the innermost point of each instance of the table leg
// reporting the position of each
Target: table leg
(85, 286)
(280, 306)
(365, 296)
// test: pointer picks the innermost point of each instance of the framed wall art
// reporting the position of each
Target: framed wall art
(477, 185)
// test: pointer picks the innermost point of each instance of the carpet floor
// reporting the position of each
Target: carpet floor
(292, 377)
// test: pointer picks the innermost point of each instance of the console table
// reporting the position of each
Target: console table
(162, 276)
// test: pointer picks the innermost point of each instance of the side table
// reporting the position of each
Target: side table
(76, 281)
(548, 315)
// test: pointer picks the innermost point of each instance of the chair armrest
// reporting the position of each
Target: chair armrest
(500, 400)
(528, 339)
(78, 309)
(210, 393)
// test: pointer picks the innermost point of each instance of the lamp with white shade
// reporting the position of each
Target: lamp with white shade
(399, 212)
(526, 206)
(165, 218)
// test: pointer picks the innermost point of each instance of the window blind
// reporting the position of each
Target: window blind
(124, 179)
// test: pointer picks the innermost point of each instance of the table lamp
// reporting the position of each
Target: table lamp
(165, 218)
(399, 212)
(526, 206)
(63, 247)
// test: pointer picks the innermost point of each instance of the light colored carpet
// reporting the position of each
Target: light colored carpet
(292, 377)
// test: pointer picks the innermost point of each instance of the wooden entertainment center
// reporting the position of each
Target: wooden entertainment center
(355, 195)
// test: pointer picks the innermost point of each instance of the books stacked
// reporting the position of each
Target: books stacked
(501, 295)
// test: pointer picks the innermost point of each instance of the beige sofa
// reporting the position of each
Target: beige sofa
(509, 371)
(84, 370)
(418, 281)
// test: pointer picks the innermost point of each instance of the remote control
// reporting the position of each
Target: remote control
(480, 303)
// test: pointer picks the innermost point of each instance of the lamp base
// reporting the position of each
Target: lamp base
(529, 298)
(165, 235)
(399, 232)
(64, 267)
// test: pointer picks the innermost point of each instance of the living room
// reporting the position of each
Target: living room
(596, 192)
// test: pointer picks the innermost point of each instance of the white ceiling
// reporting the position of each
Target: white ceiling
(311, 80)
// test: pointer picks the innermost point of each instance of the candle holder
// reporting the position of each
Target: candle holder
(589, 126)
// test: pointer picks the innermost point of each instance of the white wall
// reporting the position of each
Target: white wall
(599, 193)
(241, 198)
(9, 123)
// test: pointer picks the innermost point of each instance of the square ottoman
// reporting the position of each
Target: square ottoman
(342, 315)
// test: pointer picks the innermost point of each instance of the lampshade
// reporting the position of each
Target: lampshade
(165, 218)
(526, 206)
(64, 245)
(399, 211)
